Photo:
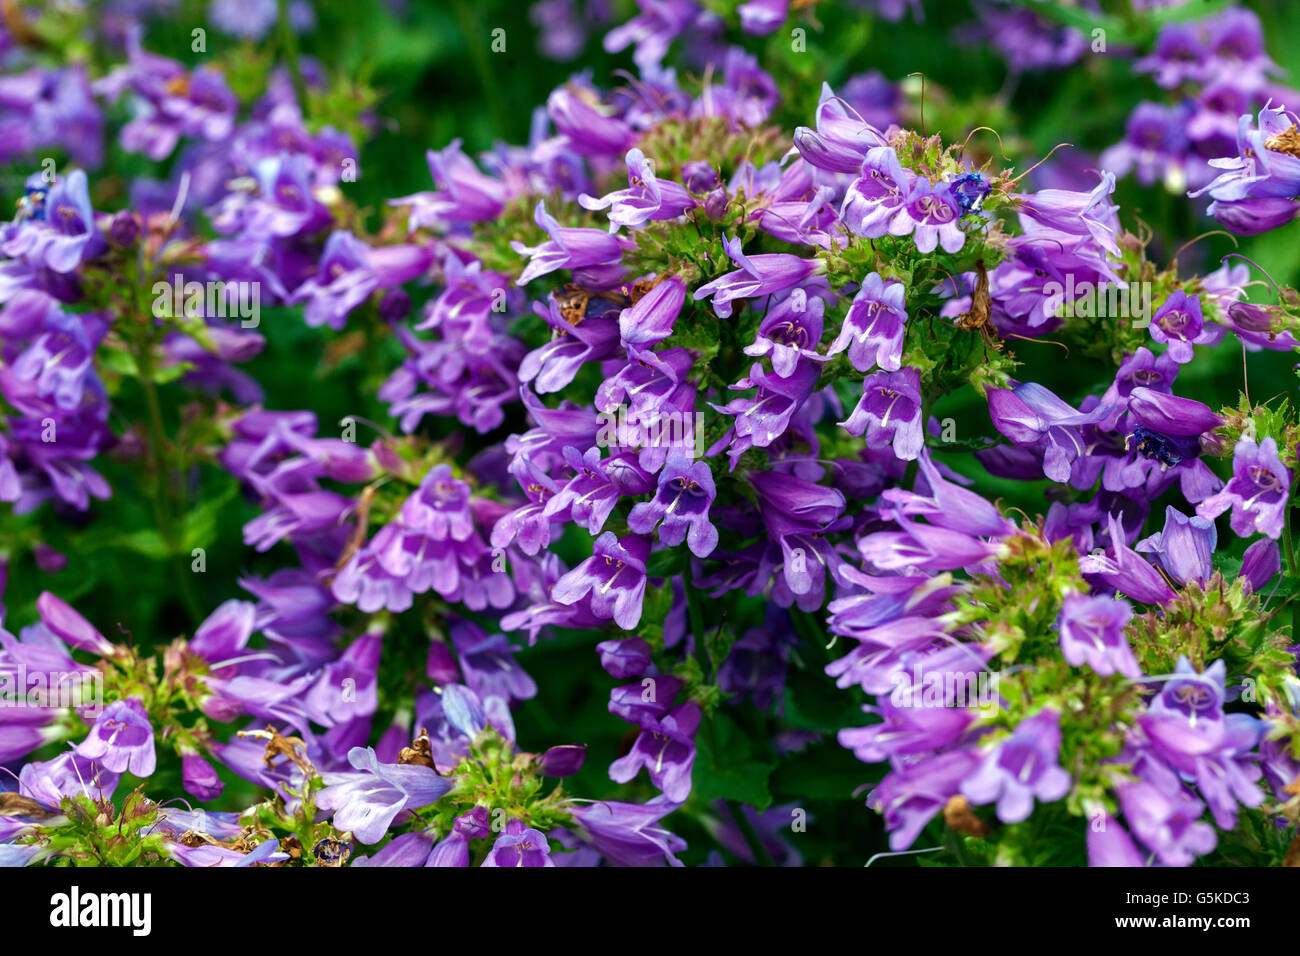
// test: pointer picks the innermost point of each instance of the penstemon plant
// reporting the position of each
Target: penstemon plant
(844, 476)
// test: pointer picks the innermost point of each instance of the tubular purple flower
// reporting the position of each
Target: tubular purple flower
(842, 139)
(758, 275)
(1185, 549)
(1092, 633)
(874, 326)
(889, 413)
(1021, 769)
(647, 198)
(876, 197)
(680, 508)
(1257, 492)
(568, 248)
(931, 216)
(617, 566)
(122, 739)
(650, 319)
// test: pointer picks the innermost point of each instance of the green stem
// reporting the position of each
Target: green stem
(169, 516)
(761, 856)
(472, 34)
(289, 41)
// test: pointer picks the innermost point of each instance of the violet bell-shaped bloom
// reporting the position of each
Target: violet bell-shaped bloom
(650, 318)
(122, 739)
(1185, 548)
(759, 275)
(790, 331)
(1125, 570)
(519, 845)
(931, 216)
(842, 139)
(889, 412)
(350, 271)
(1179, 324)
(647, 198)
(464, 194)
(66, 232)
(680, 508)
(874, 326)
(568, 247)
(1168, 824)
(666, 748)
(1092, 634)
(877, 195)
(1257, 492)
(366, 801)
(613, 579)
(1021, 769)
(1030, 416)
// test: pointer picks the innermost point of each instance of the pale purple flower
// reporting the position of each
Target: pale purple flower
(1257, 492)
(367, 801)
(122, 739)
(874, 327)
(1092, 634)
(889, 413)
(1022, 768)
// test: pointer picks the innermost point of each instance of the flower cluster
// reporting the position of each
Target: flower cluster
(667, 471)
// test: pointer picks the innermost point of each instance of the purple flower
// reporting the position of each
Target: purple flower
(758, 275)
(1092, 633)
(1110, 845)
(1254, 215)
(625, 657)
(650, 319)
(1179, 324)
(1127, 571)
(1167, 823)
(681, 503)
(628, 834)
(591, 494)
(761, 17)
(1261, 563)
(66, 232)
(519, 846)
(1185, 548)
(910, 796)
(874, 326)
(1170, 415)
(889, 412)
(122, 739)
(1091, 214)
(199, 778)
(1257, 492)
(790, 331)
(1031, 416)
(568, 248)
(1022, 768)
(666, 748)
(612, 580)
(1155, 142)
(647, 198)
(931, 216)
(489, 663)
(588, 130)
(350, 271)
(842, 140)
(67, 624)
(366, 801)
(878, 195)
(562, 761)
(464, 194)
